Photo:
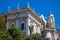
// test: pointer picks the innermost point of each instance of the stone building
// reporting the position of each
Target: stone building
(30, 23)
(58, 34)
(49, 31)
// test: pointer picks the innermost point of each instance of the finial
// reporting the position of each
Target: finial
(18, 6)
(9, 8)
(28, 4)
(50, 12)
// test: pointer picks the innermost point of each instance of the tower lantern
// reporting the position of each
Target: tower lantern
(51, 20)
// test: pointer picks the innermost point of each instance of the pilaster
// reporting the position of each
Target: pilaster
(27, 27)
(17, 23)
(7, 26)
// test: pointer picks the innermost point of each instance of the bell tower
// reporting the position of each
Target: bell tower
(51, 20)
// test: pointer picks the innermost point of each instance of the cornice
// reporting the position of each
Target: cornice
(21, 10)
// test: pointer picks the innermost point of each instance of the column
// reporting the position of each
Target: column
(34, 27)
(27, 27)
(17, 23)
(7, 25)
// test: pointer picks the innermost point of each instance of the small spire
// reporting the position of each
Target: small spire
(50, 12)
(18, 6)
(9, 8)
(28, 4)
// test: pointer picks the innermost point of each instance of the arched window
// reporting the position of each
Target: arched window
(22, 26)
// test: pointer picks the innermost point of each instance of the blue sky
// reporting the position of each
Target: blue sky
(40, 6)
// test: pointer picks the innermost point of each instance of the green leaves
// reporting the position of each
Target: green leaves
(2, 23)
(34, 37)
(4, 35)
(15, 33)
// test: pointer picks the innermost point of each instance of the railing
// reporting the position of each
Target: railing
(20, 8)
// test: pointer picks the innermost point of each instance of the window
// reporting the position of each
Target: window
(12, 25)
(47, 38)
(31, 28)
(22, 26)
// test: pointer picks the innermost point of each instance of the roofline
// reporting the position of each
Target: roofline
(34, 13)
(25, 9)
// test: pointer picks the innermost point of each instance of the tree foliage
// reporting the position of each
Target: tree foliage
(15, 33)
(34, 37)
(4, 35)
(2, 23)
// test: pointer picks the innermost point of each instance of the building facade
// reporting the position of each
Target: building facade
(58, 34)
(30, 23)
